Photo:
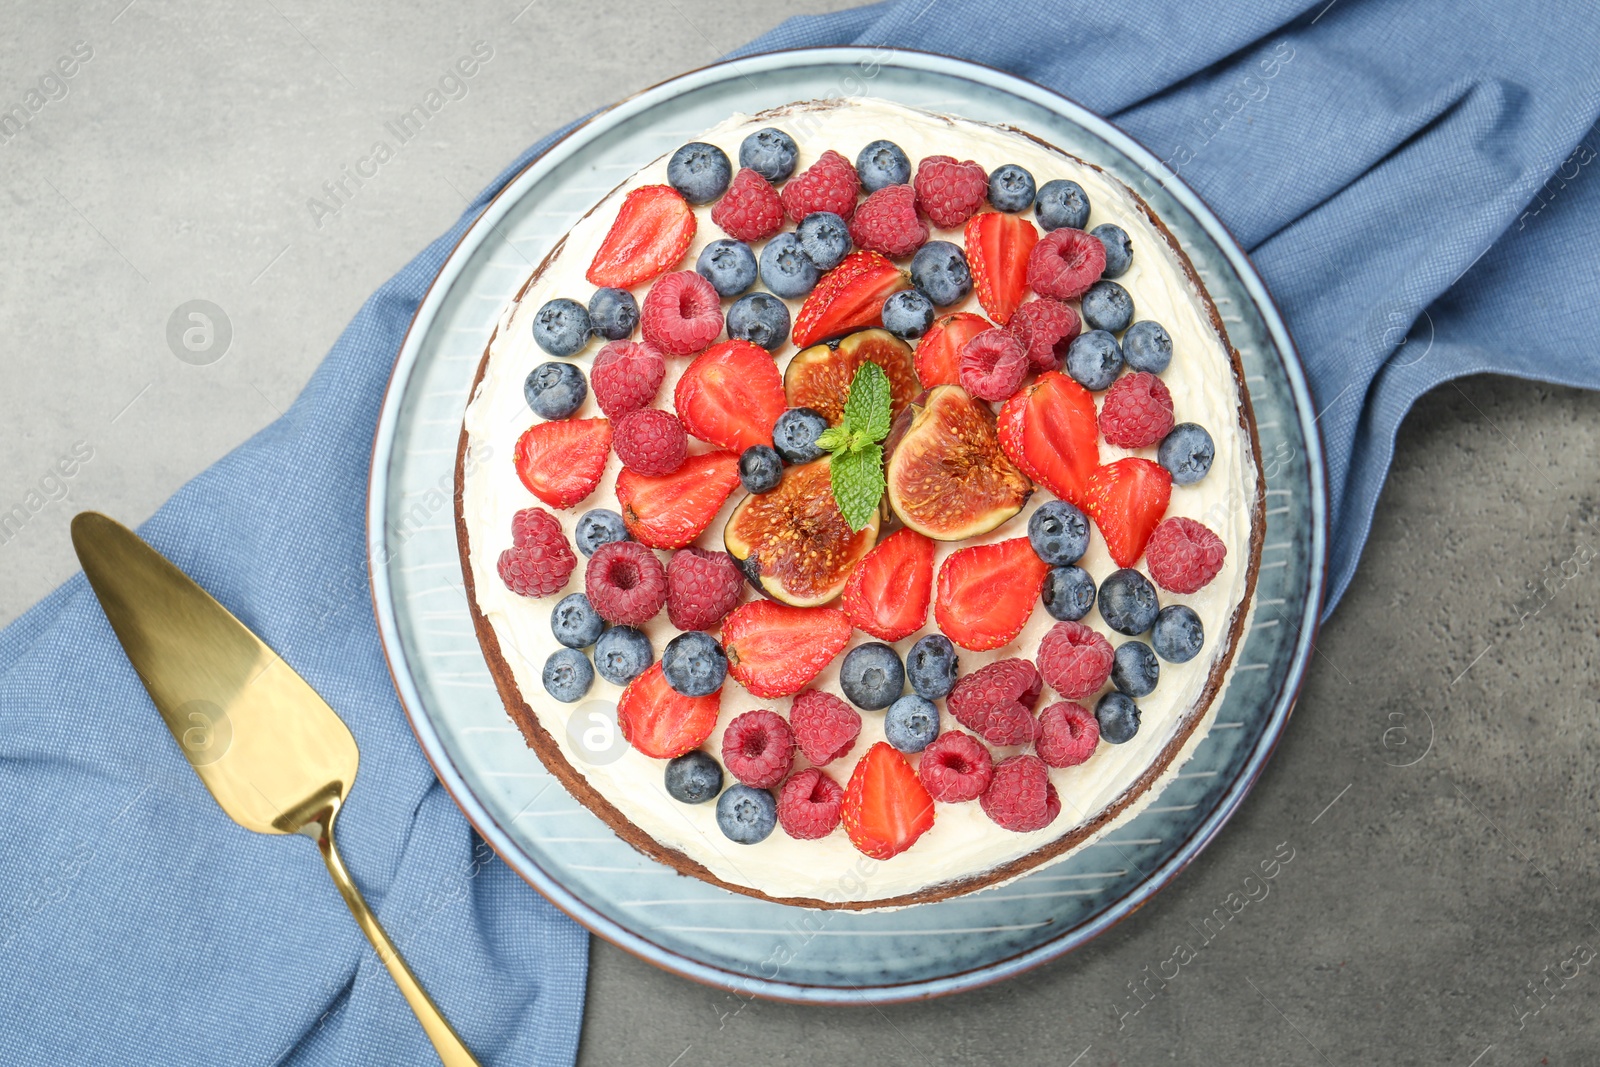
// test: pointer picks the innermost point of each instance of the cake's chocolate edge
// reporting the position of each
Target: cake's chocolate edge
(549, 752)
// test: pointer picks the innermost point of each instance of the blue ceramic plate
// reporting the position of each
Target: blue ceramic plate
(687, 926)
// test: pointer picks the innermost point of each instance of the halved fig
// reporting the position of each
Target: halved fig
(792, 542)
(948, 477)
(819, 377)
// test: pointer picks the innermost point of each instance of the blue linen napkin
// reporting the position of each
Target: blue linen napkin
(1414, 181)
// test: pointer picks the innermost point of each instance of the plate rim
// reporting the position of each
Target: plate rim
(629, 940)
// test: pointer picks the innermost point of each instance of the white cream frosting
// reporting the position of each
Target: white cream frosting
(963, 842)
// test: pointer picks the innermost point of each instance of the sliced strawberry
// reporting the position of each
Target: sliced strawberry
(661, 722)
(997, 251)
(1127, 500)
(672, 510)
(774, 649)
(849, 297)
(561, 462)
(886, 807)
(731, 395)
(938, 356)
(887, 594)
(1049, 430)
(653, 229)
(987, 592)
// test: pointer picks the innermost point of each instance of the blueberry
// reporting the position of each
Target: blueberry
(907, 314)
(825, 238)
(940, 270)
(1128, 602)
(1059, 533)
(1068, 593)
(1178, 635)
(1107, 306)
(1119, 250)
(760, 469)
(1118, 716)
(770, 153)
(746, 815)
(567, 675)
(871, 676)
(911, 723)
(931, 666)
(700, 171)
(1062, 203)
(795, 434)
(694, 777)
(613, 313)
(760, 318)
(1147, 346)
(575, 622)
(786, 269)
(561, 327)
(1135, 669)
(1187, 453)
(694, 664)
(622, 654)
(1094, 360)
(883, 163)
(1011, 188)
(555, 390)
(728, 265)
(598, 527)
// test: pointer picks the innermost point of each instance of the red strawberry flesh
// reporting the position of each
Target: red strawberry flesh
(731, 396)
(672, 510)
(651, 233)
(986, 593)
(661, 722)
(886, 806)
(561, 462)
(774, 649)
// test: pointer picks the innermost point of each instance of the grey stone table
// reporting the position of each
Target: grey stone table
(1437, 787)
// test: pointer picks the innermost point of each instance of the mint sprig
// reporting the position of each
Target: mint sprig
(856, 468)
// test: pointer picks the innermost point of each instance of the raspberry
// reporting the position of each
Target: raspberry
(650, 442)
(955, 767)
(702, 587)
(1021, 796)
(887, 222)
(829, 184)
(1184, 555)
(1046, 329)
(1068, 734)
(758, 748)
(750, 210)
(808, 805)
(1074, 659)
(1137, 411)
(625, 583)
(996, 702)
(949, 192)
(993, 365)
(682, 313)
(540, 560)
(1065, 263)
(532, 526)
(825, 727)
(626, 377)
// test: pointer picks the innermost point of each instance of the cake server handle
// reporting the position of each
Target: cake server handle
(452, 1050)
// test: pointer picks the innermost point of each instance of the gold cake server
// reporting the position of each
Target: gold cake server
(274, 755)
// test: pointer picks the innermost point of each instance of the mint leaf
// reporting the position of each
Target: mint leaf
(867, 409)
(857, 478)
(834, 438)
